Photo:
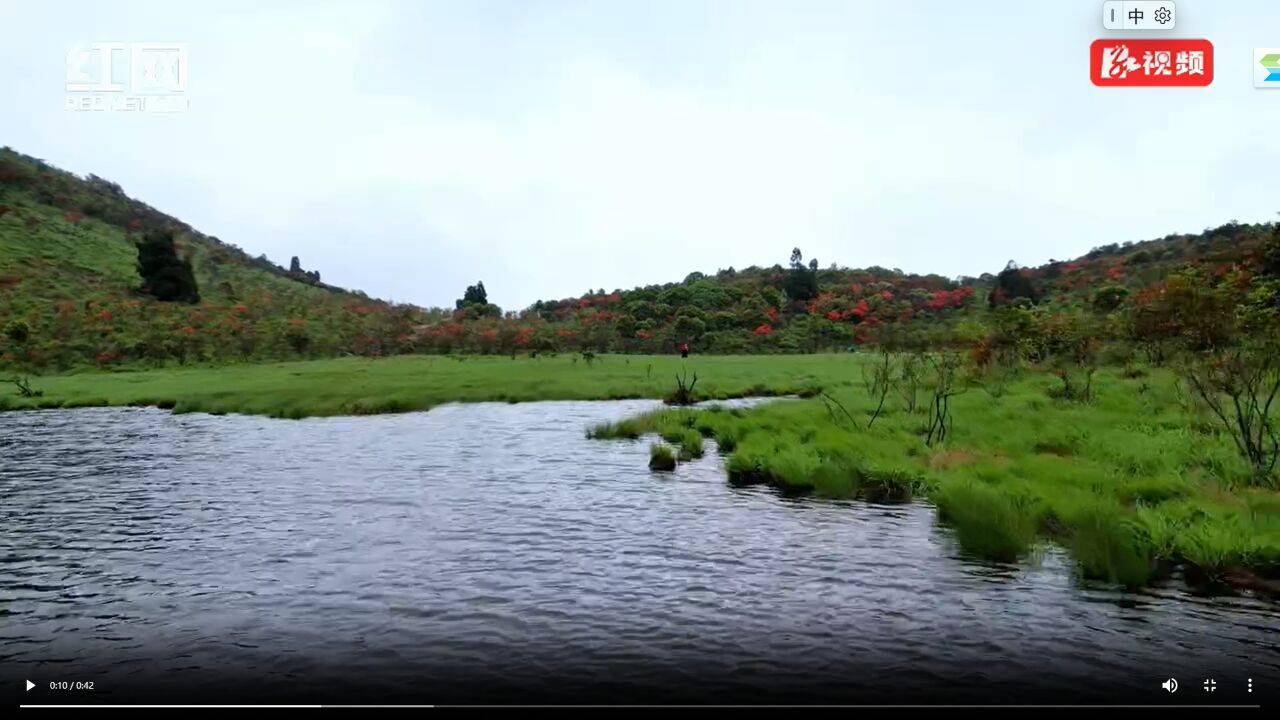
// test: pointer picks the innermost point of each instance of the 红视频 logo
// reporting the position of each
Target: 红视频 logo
(1137, 63)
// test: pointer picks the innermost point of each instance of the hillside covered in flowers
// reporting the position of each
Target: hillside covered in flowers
(74, 293)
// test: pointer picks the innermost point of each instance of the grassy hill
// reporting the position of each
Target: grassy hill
(1135, 266)
(68, 280)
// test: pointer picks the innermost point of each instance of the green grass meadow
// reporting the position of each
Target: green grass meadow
(361, 386)
(1131, 483)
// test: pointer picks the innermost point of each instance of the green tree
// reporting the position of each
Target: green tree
(1070, 341)
(709, 295)
(751, 312)
(1020, 329)
(688, 328)
(298, 339)
(18, 331)
(1191, 308)
(474, 295)
(475, 304)
(641, 310)
(771, 296)
(1138, 258)
(724, 321)
(626, 326)
(1110, 298)
(165, 276)
(1011, 284)
(1269, 255)
(676, 297)
(802, 282)
(599, 337)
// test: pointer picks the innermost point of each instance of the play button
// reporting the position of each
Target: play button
(30, 685)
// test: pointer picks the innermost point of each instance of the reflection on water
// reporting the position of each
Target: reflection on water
(494, 545)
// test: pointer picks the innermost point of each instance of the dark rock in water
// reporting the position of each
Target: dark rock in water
(662, 457)
(747, 477)
(1244, 578)
(665, 463)
(885, 493)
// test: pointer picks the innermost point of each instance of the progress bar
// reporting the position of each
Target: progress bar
(1223, 707)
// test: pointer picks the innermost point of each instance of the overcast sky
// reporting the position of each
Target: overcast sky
(411, 148)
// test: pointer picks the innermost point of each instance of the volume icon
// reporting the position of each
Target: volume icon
(1171, 685)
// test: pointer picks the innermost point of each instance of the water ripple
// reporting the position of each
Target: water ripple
(495, 538)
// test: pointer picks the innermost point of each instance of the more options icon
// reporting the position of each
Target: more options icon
(1266, 67)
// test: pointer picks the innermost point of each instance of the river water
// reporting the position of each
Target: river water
(490, 553)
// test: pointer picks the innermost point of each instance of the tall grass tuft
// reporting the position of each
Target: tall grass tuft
(727, 438)
(629, 429)
(1106, 545)
(690, 444)
(988, 523)
(746, 466)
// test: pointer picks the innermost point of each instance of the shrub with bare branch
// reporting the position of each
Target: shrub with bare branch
(1239, 386)
(833, 405)
(24, 388)
(878, 379)
(683, 394)
(911, 372)
(948, 382)
(995, 368)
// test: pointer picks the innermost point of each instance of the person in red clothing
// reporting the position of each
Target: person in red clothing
(684, 350)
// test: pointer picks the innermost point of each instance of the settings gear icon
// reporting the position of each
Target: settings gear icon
(1163, 15)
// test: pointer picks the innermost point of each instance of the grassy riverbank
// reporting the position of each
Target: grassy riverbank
(357, 386)
(1131, 483)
